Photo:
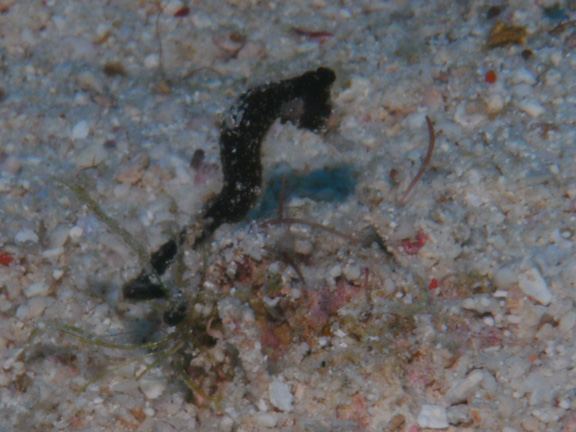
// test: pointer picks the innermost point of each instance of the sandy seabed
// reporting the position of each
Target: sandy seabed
(454, 312)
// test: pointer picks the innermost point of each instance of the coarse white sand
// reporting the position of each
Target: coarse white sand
(457, 315)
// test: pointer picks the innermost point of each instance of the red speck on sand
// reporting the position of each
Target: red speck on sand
(491, 77)
(413, 245)
(6, 259)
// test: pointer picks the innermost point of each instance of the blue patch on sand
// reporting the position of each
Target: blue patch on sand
(333, 184)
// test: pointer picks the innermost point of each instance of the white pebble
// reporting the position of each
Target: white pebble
(81, 99)
(504, 278)
(4, 380)
(133, 171)
(567, 322)
(76, 48)
(59, 22)
(280, 395)
(36, 307)
(303, 247)
(183, 175)
(553, 77)
(89, 82)
(102, 29)
(336, 271)
(152, 387)
(547, 415)
(480, 303)
(569, 274)
(80, 130)
(26, 235)
(488, 320)
(122, 190)
(495, 104)
(53, 253)
(468, 120)
(462, 390)
(37, 289)
(340, 333)
(12, 165)
(59, 236)
(415, 121)
(75, 233)
(458, 414)
(352, 272)
(523, 75)
(90, 156)
(152, 61)
(114, 243)
(57, 274)
(201, 20)
(266, 420)
(532, 283)
(248, 315)
(252, 50)
(433, 417)
(489, 383)
(22, 312)
(27, 37)
(532, 107)
(556, 57)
